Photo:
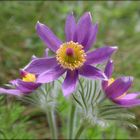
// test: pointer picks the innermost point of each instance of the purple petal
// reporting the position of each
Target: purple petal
(128, 103)
(104, 84)
(109, 68)
(70, 82)
(27, 87)
(10, 91)
(92, 38)
(70, 27)
(100, 55)
(91, 72)
(131, 96)
(39, 65)
(108, 72)
(118, 87)
(48, 37)
(14, 82)
(51, 75)
(83, 28)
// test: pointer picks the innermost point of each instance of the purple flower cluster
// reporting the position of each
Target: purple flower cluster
(74, 58)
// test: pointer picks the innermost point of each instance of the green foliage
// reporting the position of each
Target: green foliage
(111, 132)
(13, 124)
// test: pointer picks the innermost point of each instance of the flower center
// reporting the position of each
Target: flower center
(69, 52)
(28, 77)
(71, 55)
(110, 81)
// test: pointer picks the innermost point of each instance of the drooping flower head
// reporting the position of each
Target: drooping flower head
(25, 85)
(117, 90)
(72, 56)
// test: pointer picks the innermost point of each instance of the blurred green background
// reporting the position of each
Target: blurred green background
(119, 25)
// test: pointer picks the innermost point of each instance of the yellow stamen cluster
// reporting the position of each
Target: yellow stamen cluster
(74, 61)
(29, 78)
(110, 81)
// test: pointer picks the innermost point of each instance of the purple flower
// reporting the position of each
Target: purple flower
(116, 90)
(22, 86)
(72, 57)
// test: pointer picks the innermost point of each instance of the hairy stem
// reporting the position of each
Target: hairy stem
(52, 123)
(71, 121)
(80, 130)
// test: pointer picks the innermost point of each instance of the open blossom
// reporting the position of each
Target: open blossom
(71, 57)
(117, 90)
(25, 85)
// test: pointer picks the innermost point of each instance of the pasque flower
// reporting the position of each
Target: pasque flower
(71, 57)
(25, 85)
(117, 90)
